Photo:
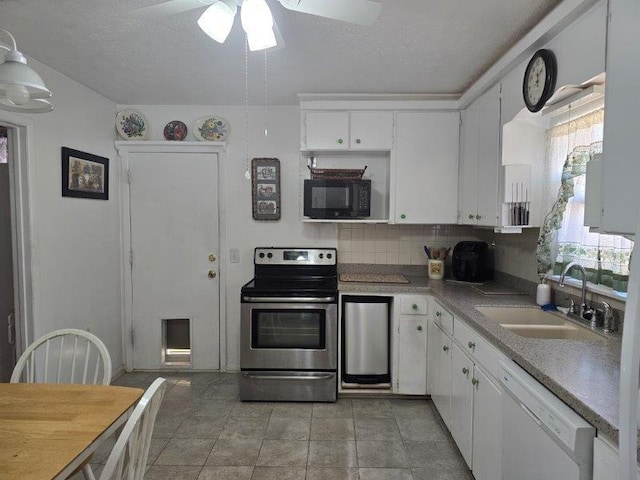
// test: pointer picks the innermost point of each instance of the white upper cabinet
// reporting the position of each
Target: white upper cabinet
(425, 167)
(371, 131)
(341, 130)
(479, 173)
(621, 168)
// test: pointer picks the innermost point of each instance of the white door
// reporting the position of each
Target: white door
(469, 167)
(426, 167)
(371, 130)
(487, 429)
(488, 156)
(327, 130)
(461, 401)
(439, 375)
(412, 355)
(174, 240)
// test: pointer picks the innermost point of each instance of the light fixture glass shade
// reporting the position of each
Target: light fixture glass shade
(217, 20)
(257, 22)
(37, 105)
(261, 39)
(21, 88)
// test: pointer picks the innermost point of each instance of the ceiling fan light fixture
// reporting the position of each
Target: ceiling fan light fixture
(257, 22)
(20, 85)
(217, 20)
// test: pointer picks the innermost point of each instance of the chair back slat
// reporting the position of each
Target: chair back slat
(66, 355)
(128, 458)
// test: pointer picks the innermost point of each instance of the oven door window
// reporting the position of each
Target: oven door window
(302, 329)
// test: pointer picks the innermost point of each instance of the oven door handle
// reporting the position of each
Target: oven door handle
(288, 299)
(270, 376)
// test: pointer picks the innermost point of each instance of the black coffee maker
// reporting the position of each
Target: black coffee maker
(472, 262)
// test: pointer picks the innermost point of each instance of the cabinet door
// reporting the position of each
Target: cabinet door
(326, 130)
(469, 166)
(439, 371)
(621, 167)
(425, 167)
(488, 156)
(371, 131)
(412, 355)
(461, 402)
(487, 421)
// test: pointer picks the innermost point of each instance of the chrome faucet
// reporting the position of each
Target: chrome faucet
(585, 311)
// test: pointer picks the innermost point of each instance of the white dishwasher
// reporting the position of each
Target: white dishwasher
(542, 438)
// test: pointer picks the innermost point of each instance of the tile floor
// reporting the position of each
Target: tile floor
(203, 432)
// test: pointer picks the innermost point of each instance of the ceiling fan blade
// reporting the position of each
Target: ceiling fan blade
(362, 12)
(170, 7)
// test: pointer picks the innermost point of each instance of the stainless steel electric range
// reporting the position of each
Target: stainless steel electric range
(289, 326)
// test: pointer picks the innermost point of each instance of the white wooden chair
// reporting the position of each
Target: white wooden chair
(65, 356)
(128, 459)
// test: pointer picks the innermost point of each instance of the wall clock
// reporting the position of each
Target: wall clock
(539, 79)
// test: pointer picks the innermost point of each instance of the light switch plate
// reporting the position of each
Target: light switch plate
(234, 255)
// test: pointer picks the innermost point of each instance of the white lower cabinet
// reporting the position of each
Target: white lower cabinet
(606, 460)
(487, 420)
(462, 402)
(439, 371)
(411, 328)
(461, 381)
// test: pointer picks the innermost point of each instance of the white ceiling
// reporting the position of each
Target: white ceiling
(415, 46)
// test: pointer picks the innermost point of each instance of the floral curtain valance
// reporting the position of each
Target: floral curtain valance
(563, 237)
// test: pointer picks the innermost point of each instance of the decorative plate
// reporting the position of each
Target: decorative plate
(175, 130)
(211, 129)
(132, 125)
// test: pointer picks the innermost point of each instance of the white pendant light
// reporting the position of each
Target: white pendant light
(257, 22)
(21, 88)
(217, 20)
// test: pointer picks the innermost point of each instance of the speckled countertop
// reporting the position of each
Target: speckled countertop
(585, 375)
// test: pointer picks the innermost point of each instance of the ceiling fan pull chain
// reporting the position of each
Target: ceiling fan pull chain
(266, 129)
(247, 173)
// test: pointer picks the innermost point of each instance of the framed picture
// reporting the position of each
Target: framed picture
(84, 175)
(265, 188)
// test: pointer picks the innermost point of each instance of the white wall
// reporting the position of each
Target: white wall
(75, 242)
(242, 231)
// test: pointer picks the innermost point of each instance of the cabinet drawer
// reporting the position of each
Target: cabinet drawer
(442, 317)
(478, 347)
(413, 305)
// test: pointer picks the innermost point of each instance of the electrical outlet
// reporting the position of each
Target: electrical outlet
(234, 255)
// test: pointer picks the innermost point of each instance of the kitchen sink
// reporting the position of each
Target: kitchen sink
(536, 323)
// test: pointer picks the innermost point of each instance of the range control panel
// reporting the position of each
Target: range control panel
(295, 256)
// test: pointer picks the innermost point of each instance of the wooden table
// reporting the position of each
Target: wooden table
(48, 430)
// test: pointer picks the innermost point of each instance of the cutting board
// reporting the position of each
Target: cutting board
(373, 277)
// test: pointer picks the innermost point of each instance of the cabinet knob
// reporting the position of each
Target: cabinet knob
(470, 216)
(465, 370)
(474, 381)
(438, 314)
(340, 141)
(211, 274)
(478, 217)
(445, 349)
(358, 141)
(414, 306)
(472, 345)
(419, 328)
(403, 216)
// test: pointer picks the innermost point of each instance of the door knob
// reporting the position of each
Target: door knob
(212, 274)
(212, 258)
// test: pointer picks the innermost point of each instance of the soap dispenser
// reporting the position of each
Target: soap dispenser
(543, 292)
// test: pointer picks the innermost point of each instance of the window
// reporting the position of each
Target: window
(564, 238)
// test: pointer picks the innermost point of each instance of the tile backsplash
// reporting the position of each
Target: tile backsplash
(396, 244)
(403, 245)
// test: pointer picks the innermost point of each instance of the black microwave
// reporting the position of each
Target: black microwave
(337, 198)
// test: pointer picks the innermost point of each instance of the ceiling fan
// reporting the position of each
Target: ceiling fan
(255, 15)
